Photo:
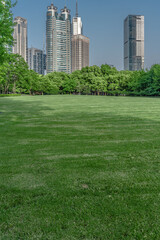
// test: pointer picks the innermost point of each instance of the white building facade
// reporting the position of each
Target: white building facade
(77, 26)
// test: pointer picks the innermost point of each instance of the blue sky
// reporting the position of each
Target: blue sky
(103, 24)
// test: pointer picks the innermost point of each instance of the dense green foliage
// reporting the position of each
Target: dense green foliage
(6, 28)
(15, 77)
(79, 167)
(10, 95)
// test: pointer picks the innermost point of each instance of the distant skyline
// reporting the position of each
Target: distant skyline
(103, 24)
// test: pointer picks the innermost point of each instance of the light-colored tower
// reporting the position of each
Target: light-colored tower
(80, 52)
(80, 44)
(134, 43)
(77, 23)
(58, 40)
(36, 60)
(20, 37)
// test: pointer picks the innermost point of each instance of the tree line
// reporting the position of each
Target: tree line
(15, 77)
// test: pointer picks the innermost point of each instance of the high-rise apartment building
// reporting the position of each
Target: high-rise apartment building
(36, 60)
(80, 52)
(20, 37)
(134, 43)
(80, 44)
(58, 40)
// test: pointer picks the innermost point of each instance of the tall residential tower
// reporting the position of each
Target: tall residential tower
(58, 40)
(36, 60)
(80, 44)
(134, 43)
(20, 37)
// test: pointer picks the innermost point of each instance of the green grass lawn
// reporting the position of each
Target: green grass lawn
(79, 167)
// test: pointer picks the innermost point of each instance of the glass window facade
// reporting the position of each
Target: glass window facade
(37, 60)
(58, 40)
(134, 43)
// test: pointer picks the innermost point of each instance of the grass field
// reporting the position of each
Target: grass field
(79, 167)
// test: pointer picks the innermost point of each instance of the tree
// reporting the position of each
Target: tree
(149, 83)
(98, 85)
(69, 85)
(93, 69)
(48, 86)
(6, 28)
(106, 69)
(77, 76)
(155, 74)
(18, 72)
(15, 76)
(3, 77)
(52, 82)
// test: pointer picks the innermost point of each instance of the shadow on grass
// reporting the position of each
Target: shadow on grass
(50, 152)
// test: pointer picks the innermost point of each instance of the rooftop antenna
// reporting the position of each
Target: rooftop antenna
(65, 3)
(76, 8)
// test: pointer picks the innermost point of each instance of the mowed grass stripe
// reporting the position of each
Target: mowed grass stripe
(79, 167)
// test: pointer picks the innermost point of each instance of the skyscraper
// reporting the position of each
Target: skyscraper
(80, 44)
(134, 43)
(36, 60)
(80, 52)
(77, 27)
(58, 40)
(20, 37)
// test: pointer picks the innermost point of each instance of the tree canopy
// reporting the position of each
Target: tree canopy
(6, 28)
(15, 77)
